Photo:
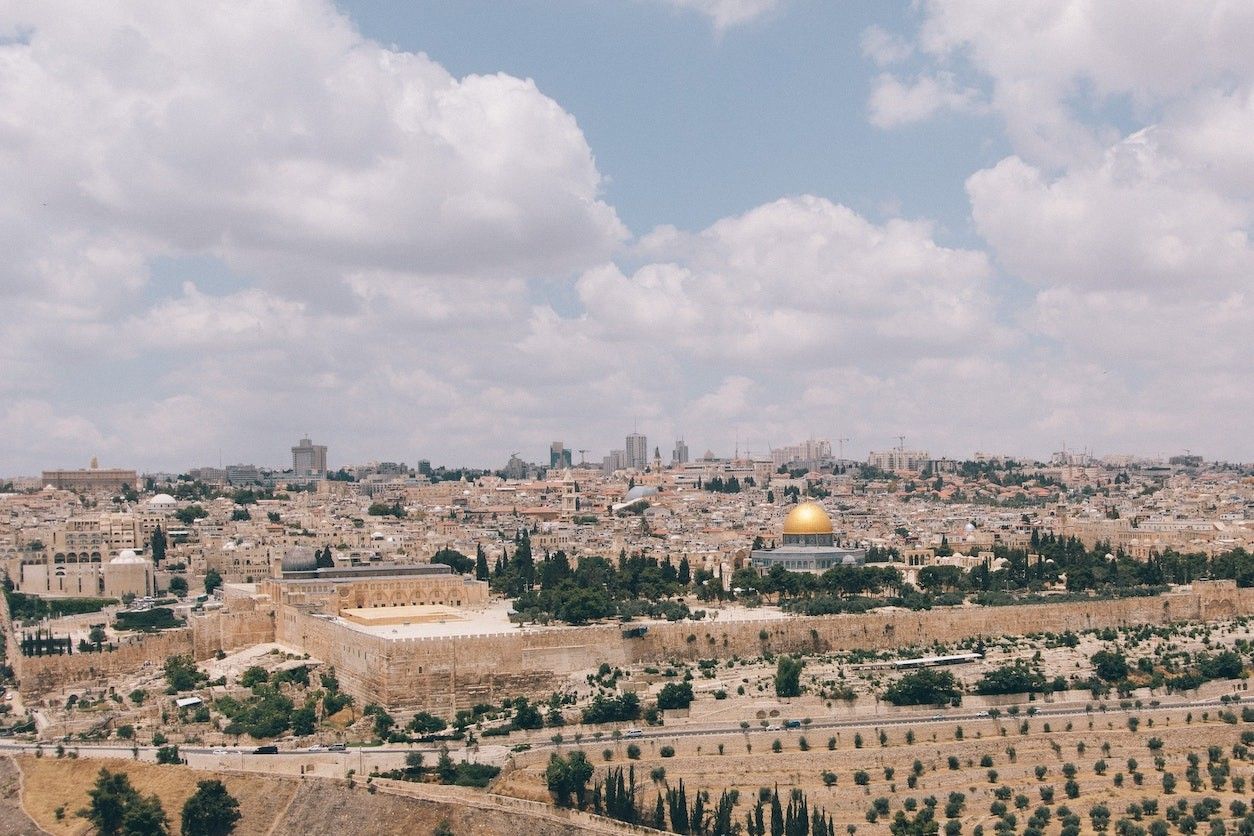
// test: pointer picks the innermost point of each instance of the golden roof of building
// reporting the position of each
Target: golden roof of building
(808, 518)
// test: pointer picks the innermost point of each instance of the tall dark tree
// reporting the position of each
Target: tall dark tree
(481, 563)
(108, 801)
(145, 817)
(210, 811)
(158, 546)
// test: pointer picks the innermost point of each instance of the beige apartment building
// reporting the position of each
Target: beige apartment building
(93, 479)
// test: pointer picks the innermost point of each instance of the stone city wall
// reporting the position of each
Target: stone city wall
(39, 675)
(449, 673)
(901, 628)
(445, 674)
(231, 629)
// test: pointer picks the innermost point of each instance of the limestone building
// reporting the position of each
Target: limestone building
(90, 577)
(92, 480)
(337, 591)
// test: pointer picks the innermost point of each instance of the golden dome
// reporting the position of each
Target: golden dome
(808, 518)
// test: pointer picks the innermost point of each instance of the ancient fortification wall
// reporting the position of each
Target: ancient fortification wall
(243, 623)
(39, 675)
(444, 674)
(883, 630)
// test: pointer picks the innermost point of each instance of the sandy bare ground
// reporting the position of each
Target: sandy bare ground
(12, 815)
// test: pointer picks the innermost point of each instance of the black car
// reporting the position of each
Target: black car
(266, 750)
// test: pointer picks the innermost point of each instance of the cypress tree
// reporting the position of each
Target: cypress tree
(481, 563)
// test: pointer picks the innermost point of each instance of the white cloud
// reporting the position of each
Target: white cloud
(386, 214)
(275, 136)
(1127, 206)
(725, 14)
(1053, 67)
(730, 326)
(895, 103)
(1140, 217)
(884, 47)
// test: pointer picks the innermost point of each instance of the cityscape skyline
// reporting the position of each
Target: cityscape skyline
(308, 461)
(912, 224)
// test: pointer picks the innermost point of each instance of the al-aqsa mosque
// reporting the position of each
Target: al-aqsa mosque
(807, 544)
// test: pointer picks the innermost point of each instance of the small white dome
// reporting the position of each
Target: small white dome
(162, 499)
(128, 556)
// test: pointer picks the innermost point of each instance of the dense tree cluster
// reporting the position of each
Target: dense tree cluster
(190, 514)
(115, 807)
(614, 709)
(1019, 677)
(924, 687)
(552, 589)
(23, 607)
(147, 621)
(718, 484)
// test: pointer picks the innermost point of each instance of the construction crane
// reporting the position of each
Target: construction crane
(841, 443)
(582, 450)
(901, 442)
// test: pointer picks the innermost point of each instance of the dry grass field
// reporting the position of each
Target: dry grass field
(51, 783)
(270, 805)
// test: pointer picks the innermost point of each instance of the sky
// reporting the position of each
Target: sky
(454, 231)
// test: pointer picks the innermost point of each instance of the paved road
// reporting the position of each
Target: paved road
(356, 754)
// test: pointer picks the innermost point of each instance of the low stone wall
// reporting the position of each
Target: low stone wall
(39, 675)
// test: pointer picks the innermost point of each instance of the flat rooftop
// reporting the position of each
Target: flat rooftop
(430, 621)
(409, 614)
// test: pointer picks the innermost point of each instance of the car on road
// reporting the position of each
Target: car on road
(221, 751)
(337, 747)
(774, 727)
(792, 724)
(266, 750)
(633, 733)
